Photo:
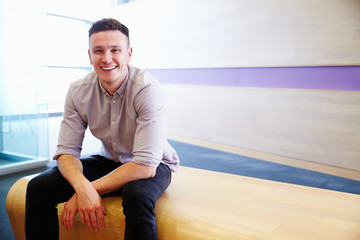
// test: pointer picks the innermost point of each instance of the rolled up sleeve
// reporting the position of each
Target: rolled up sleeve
(72, 129)
(150, 136)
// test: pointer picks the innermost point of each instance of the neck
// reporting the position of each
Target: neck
(112, 87)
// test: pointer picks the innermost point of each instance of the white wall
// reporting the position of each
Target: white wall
(242, 33)
(311, 125)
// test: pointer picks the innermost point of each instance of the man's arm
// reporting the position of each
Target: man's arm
(119, 177)
(87, 198)
(72, 170)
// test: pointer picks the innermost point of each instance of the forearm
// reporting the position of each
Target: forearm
(72, 170)
(119, 177)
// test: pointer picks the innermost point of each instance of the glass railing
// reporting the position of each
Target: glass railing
(23, 142)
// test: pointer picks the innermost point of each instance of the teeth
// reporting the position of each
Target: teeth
(108, 68)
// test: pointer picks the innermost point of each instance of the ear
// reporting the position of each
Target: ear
(130, 51)
(89, 53)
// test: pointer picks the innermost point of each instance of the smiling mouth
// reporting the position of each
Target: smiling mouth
(108, 68)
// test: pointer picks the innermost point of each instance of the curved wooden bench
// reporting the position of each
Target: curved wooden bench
(177, 211)
(202, 204)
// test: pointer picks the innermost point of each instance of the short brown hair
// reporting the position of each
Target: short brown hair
(107, 24)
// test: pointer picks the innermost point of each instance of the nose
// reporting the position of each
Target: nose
(107, 57)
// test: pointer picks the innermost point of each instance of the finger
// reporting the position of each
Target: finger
(100, 215)
(103, 209)
(71, 220)
(64, 220)
(88, 221)
(63, 217)
(82, 217)
(94, 222)
(67, 222)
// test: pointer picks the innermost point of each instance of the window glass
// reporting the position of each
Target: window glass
(62, 41)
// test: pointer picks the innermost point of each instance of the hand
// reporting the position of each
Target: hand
(91, 209)
(86, 200)
(69, 212)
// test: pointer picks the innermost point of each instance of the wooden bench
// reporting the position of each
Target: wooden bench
(202, 204)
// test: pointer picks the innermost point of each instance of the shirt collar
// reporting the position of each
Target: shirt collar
(119, 92)
(121, 89)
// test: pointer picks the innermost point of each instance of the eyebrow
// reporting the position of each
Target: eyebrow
(112, 46)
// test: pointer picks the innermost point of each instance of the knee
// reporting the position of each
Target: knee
(49, 187)
(34, 185)
(36, 188)
(34, 192)
(135, 198)
(42, 184)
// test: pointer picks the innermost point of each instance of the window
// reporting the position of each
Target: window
(62, 56)
(43, 49)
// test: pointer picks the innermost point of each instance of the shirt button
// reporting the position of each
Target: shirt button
(113, 122)
(114, 144)
(114, 101)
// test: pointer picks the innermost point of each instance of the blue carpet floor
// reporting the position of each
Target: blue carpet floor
(210, 159)
(6, 181)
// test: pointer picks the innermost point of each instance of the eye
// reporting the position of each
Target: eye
(98, 51)
(115, 50)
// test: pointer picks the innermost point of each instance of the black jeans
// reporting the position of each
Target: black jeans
(48, 189)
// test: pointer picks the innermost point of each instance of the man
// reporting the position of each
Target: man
(124, 107)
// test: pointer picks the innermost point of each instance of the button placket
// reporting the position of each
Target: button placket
(113, 124)
(114, 118)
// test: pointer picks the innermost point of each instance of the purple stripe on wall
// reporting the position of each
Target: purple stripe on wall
(322, 78)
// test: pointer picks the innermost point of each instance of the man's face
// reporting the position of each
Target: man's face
(109, 53)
